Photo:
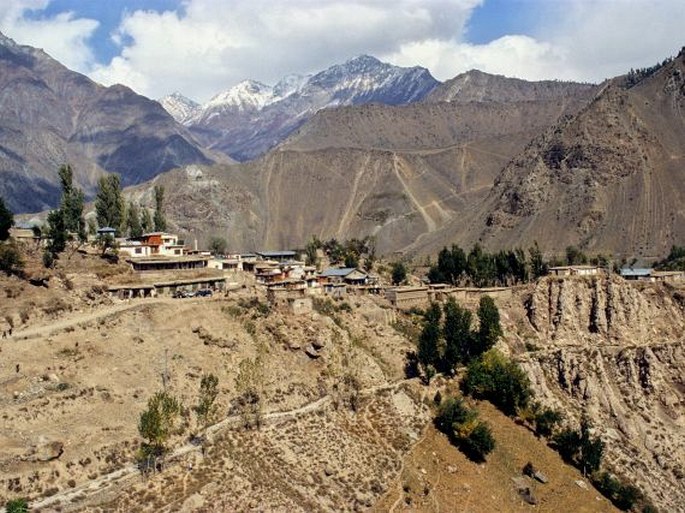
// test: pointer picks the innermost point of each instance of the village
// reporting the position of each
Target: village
(164, 265)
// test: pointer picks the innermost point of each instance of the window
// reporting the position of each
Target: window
(139, 251)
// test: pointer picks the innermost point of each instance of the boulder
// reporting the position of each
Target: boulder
(46, 451)
(311, 352)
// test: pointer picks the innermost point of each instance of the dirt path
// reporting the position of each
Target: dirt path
(117, 477)
(85, 317)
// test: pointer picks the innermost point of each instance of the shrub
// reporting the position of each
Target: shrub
(499, 380)
(17, 506)
(462, 427)
(10, 258)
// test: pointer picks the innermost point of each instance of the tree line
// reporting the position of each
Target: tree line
(67, 224)
(481, 268)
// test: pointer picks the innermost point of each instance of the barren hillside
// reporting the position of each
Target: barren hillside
(609, 179)
(398, 173)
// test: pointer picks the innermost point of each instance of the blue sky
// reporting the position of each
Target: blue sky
(202, 47)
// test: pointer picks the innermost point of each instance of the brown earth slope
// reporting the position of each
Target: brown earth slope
(397, 173)
(609, 179)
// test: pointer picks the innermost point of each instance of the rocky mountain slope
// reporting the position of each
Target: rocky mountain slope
(476, 86)
(50, 116)
(399, 173)
(249, 119)
(608, 179)
(613, 350)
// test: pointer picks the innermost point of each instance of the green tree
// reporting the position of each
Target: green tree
(351, 260)
(205, 408)
(10, 258)
(574, 256)
(580, 447)
(157, 423)
(311, 249)
(71, 203)
(6, 221)
(463, 429)
(218, 245)
(538, 266)
(457, 334)
(546, 420)
(56, 233)
(479, 442)
(499, 380)
(428, 351)
(398, 273)
(17, 506)
(109, 204)
(146, 221)
(135, 229)
(489, 328)
(159, 219)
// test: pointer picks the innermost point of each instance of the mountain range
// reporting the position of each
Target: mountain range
(399, 173)
(250, 118)
(366, 148)
(50, 116)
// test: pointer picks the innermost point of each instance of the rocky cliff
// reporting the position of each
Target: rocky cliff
(615, 350)
(609, 178)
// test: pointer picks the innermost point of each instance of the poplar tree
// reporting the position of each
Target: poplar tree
(109, 204)
(160, 220)
(133, 221)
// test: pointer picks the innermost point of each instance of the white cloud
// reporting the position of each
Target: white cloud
(210, 45)
(63, 36)
(216, 44)
(514, 56)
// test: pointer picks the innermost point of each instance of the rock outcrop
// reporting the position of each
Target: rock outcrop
(615, 350)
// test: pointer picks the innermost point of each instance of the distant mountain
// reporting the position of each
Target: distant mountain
(181, 108)
(609, 179)
(50, 116)
(400, 173)
(251, 118)
(477, 86)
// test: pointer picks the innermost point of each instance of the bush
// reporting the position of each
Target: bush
(10, 258)
(464, 430)
(17, 506)
(622, 495)
(499, 380)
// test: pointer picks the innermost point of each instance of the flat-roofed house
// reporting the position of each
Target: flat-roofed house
(406, 297)
(347, 275)
(278, 256)
(574, 270)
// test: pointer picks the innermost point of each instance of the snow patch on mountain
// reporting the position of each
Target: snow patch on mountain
(182, 109)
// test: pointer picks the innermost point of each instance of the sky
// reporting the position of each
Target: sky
(202, 47)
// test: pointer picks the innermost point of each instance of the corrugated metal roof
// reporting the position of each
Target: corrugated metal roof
(332, 271)
(269, 254)
(637, 271)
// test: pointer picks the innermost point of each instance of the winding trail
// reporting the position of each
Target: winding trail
(84, 317)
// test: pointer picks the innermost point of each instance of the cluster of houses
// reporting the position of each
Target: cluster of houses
(287, 277)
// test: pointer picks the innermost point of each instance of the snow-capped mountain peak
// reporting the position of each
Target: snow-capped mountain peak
(181, 108)
(248, 94)
(252, 117)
